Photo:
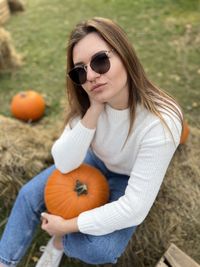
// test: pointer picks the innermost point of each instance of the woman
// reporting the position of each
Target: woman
(119, 122)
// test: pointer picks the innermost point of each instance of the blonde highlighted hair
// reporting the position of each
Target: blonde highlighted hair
(141, 89)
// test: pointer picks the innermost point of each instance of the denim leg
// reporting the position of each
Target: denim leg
(23, 220)
(106, 248)
(98, 249)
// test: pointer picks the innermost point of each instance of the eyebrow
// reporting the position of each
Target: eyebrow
(78, 63)
(82, 63)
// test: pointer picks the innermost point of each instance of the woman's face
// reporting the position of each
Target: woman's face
(110, 87)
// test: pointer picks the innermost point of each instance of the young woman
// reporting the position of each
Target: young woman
(119, 122)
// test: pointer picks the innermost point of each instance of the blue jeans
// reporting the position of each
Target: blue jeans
(25, 217)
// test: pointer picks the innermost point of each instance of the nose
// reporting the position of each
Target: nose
(91, 74)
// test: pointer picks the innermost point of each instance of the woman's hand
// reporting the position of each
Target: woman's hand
(96, 107)
(90, 118)
(56, 225)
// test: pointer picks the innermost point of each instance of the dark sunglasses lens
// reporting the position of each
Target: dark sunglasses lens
(100, 63)
(78, 75)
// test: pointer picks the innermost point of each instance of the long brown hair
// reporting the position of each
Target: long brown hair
(141, 89)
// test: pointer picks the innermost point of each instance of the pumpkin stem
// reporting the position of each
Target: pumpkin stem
(80, 188)
(23, 94)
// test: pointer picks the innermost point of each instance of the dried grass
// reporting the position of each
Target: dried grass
(24, 151)
(16, 5)
(4, 11)
(9, 58)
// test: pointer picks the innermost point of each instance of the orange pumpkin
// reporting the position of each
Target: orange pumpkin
(84, 188)
(185, 133)
(28, 105)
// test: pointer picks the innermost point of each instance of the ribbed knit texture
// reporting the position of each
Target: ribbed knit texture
(145, 158)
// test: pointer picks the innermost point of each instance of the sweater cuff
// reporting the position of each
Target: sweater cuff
(85, 225)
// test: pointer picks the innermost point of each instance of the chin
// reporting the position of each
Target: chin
(101, 99)
(104, 98)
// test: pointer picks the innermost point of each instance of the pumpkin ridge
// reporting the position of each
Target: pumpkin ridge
(62, 206)
(56, 187)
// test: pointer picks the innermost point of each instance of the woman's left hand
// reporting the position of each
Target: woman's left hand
(56, 225)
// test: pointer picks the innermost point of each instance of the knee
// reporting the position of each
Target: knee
(94, 251)
(25, 192)
(102, 254)
(24, 197)
(27, 197)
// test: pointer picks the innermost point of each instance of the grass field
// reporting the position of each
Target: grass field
(165, 34)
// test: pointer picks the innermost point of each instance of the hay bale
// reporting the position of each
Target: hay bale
(175, 215)
(16, 5)
(24, 152)
(9, 58)
(4, 11)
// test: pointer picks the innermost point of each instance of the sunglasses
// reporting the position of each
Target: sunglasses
(100, 63)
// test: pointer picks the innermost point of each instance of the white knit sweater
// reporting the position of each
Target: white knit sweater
(145, 158)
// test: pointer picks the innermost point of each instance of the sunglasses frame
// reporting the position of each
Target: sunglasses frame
(84, 66)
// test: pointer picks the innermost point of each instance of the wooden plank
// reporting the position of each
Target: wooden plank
(174, 257)
(177, 258)
(161, 263)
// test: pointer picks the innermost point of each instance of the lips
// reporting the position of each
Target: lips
(97, 86)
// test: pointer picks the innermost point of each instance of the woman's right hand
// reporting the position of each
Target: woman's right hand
(90, 118)
(96, 107)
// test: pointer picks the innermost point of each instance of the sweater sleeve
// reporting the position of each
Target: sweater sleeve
(155, 153)
(70, 149)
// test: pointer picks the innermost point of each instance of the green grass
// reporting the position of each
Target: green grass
(165, 34)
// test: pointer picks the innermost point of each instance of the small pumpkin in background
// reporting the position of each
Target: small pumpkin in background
(185, 133)
(67, 195)
(28, 106)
